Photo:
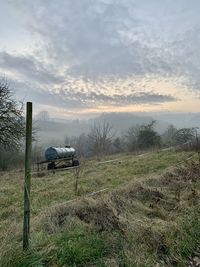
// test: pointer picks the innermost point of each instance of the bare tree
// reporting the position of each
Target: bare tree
(12, 124)
(100, 138)
(43, 116)
(169, 136)
(81, 144)
(131, 138)
(184, 135)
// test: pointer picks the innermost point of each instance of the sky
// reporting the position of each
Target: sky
(79, 58)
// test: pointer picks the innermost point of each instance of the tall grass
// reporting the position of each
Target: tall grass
(141, 221)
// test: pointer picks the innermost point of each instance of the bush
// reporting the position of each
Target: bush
(10, 160)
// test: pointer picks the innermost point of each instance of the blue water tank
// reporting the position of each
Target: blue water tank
(53, 153)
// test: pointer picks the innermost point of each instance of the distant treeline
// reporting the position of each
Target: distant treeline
(101, 141)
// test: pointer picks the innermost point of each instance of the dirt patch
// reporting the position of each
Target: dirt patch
(145, 194)
(101, 216)
(136, 192)
(98, 214)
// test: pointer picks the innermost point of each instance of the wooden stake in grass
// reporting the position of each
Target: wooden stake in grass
(27, 181)
(76, 175)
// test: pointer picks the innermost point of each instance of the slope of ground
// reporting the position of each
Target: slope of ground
(145, 219)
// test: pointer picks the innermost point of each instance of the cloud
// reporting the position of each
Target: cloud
(92, 98)
(70, 99)
(101, 52)
(97, 38)
(29, 68)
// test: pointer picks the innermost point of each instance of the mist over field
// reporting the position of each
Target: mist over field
(54, 130)
(99, 133)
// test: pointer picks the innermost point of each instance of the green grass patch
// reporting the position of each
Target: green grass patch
(182, 242)
(81, 248)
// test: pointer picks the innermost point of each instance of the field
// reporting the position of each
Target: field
(146, 214)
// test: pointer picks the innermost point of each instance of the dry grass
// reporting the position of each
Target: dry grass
(142, 214)
(142, 221)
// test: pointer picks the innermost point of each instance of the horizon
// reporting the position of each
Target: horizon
(98, 115)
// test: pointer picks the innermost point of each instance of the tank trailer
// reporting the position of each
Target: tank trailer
(61, 157)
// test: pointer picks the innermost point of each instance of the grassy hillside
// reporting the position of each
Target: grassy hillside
(143, 219)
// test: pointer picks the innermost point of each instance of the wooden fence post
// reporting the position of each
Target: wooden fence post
(27, 181)
(76, 175)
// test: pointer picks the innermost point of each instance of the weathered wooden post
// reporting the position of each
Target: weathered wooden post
(76, 175)
(27, 181)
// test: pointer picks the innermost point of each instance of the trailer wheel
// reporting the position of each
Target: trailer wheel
(51, 166)
(76, 162)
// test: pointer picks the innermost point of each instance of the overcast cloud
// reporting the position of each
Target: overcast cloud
(89, 53)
